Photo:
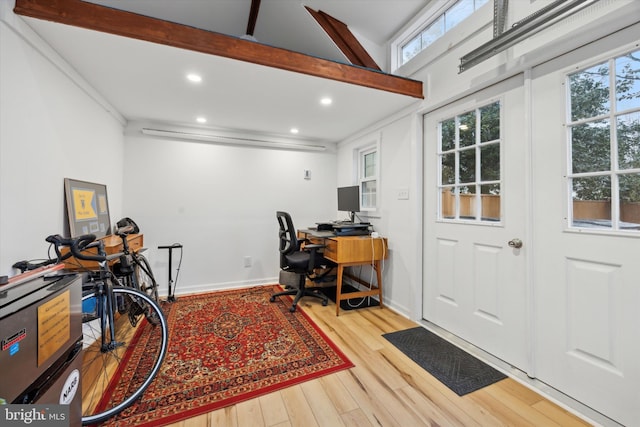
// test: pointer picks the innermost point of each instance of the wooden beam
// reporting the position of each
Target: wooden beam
(113, 21)
(253, 17)
(344, 39)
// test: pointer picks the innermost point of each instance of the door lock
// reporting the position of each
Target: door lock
(515, 243)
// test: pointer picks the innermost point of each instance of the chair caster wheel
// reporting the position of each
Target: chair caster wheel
(324, 303)
(272, 299)
(292, 309)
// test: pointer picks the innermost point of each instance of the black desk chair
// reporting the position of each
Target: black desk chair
(301, 260)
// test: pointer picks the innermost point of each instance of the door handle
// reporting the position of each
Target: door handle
(515, 243)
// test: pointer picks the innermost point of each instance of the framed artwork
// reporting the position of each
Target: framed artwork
(87, 208)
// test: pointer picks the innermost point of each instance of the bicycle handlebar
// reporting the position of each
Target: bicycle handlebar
(79, 244)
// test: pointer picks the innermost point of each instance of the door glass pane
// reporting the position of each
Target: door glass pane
(490, 162)
(448, 134)
(467, 202)
(630, 201)
(490, 202)
(490, 122)
(592, 202)
(448, 168)
(591, 147)
(628, 81)
(590, 92)
(467, 129)
(448, 203)
(468, 165)
(628, 131)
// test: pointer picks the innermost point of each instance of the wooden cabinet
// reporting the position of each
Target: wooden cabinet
(112, 245)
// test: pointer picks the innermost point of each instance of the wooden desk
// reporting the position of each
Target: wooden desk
(112, 245)
(348, 251)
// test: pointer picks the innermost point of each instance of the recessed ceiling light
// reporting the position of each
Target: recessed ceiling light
(294, 130)
(326, 101)
(195, 78)
(201, 120)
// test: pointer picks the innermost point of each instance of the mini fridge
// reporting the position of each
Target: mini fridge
(41, 342)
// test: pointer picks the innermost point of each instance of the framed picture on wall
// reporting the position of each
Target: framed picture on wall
(87, 208)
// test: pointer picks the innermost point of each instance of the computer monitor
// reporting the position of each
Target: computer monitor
(349, 200)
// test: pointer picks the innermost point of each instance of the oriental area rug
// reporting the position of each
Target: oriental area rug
(226, 347)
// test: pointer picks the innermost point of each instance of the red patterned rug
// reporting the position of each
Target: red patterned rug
(226, 347)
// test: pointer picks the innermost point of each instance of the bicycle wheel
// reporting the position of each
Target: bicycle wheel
(144, 276)
(104, 360)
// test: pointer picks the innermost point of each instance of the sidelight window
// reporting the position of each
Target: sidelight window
(469, 165)
(603, 134)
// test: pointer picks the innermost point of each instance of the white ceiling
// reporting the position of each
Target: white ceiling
(145, 82)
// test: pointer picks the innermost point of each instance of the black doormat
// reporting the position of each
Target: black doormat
(351, 303)
(452, 366)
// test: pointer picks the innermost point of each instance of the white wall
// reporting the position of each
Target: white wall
(220, 201)
(397, 219)
(51, 127)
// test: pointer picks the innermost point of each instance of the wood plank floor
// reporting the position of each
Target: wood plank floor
(385, 388)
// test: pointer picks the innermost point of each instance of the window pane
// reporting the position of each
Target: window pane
(468, 166)
(411, 49)
(448, 169)
(490, 202)
(368, 194)
(433, 33)
(590, 92)
(628, 81)
(630, 201)
(448, 204)
(490, 162)
(628, 127)
(592, 202)
(490, 122)
(448, 134)
(590, 147)
(458, 13)
(467, 202)
(467, 129)
(595, 210)
(369, 165)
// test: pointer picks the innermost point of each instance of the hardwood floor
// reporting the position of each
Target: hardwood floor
(385, 388)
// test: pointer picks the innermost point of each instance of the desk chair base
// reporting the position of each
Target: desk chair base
(302, 291)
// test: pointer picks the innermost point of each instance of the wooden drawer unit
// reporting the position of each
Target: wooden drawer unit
(358, 249)
(112, 245)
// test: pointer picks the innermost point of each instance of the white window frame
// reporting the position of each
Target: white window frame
(359, 155)
(614, 171)
(423, 20)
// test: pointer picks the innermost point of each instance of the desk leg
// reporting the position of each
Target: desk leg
(376, 266)
(339, 288)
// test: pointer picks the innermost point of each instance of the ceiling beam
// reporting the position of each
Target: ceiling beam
(113, 21)
(344, 39)
(253, 17)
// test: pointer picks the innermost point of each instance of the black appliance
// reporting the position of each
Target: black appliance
(41, 342)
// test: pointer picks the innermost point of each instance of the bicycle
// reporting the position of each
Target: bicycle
(133, 268)
(109, 337)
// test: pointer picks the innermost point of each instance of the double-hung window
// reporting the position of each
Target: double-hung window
(368, 165)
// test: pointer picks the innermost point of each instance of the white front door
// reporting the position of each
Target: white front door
(587, 220)
(474, 269)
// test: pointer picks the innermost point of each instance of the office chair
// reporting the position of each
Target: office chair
(301, 260)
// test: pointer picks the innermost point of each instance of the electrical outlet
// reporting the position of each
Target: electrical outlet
(403, 194)
(247, 261)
